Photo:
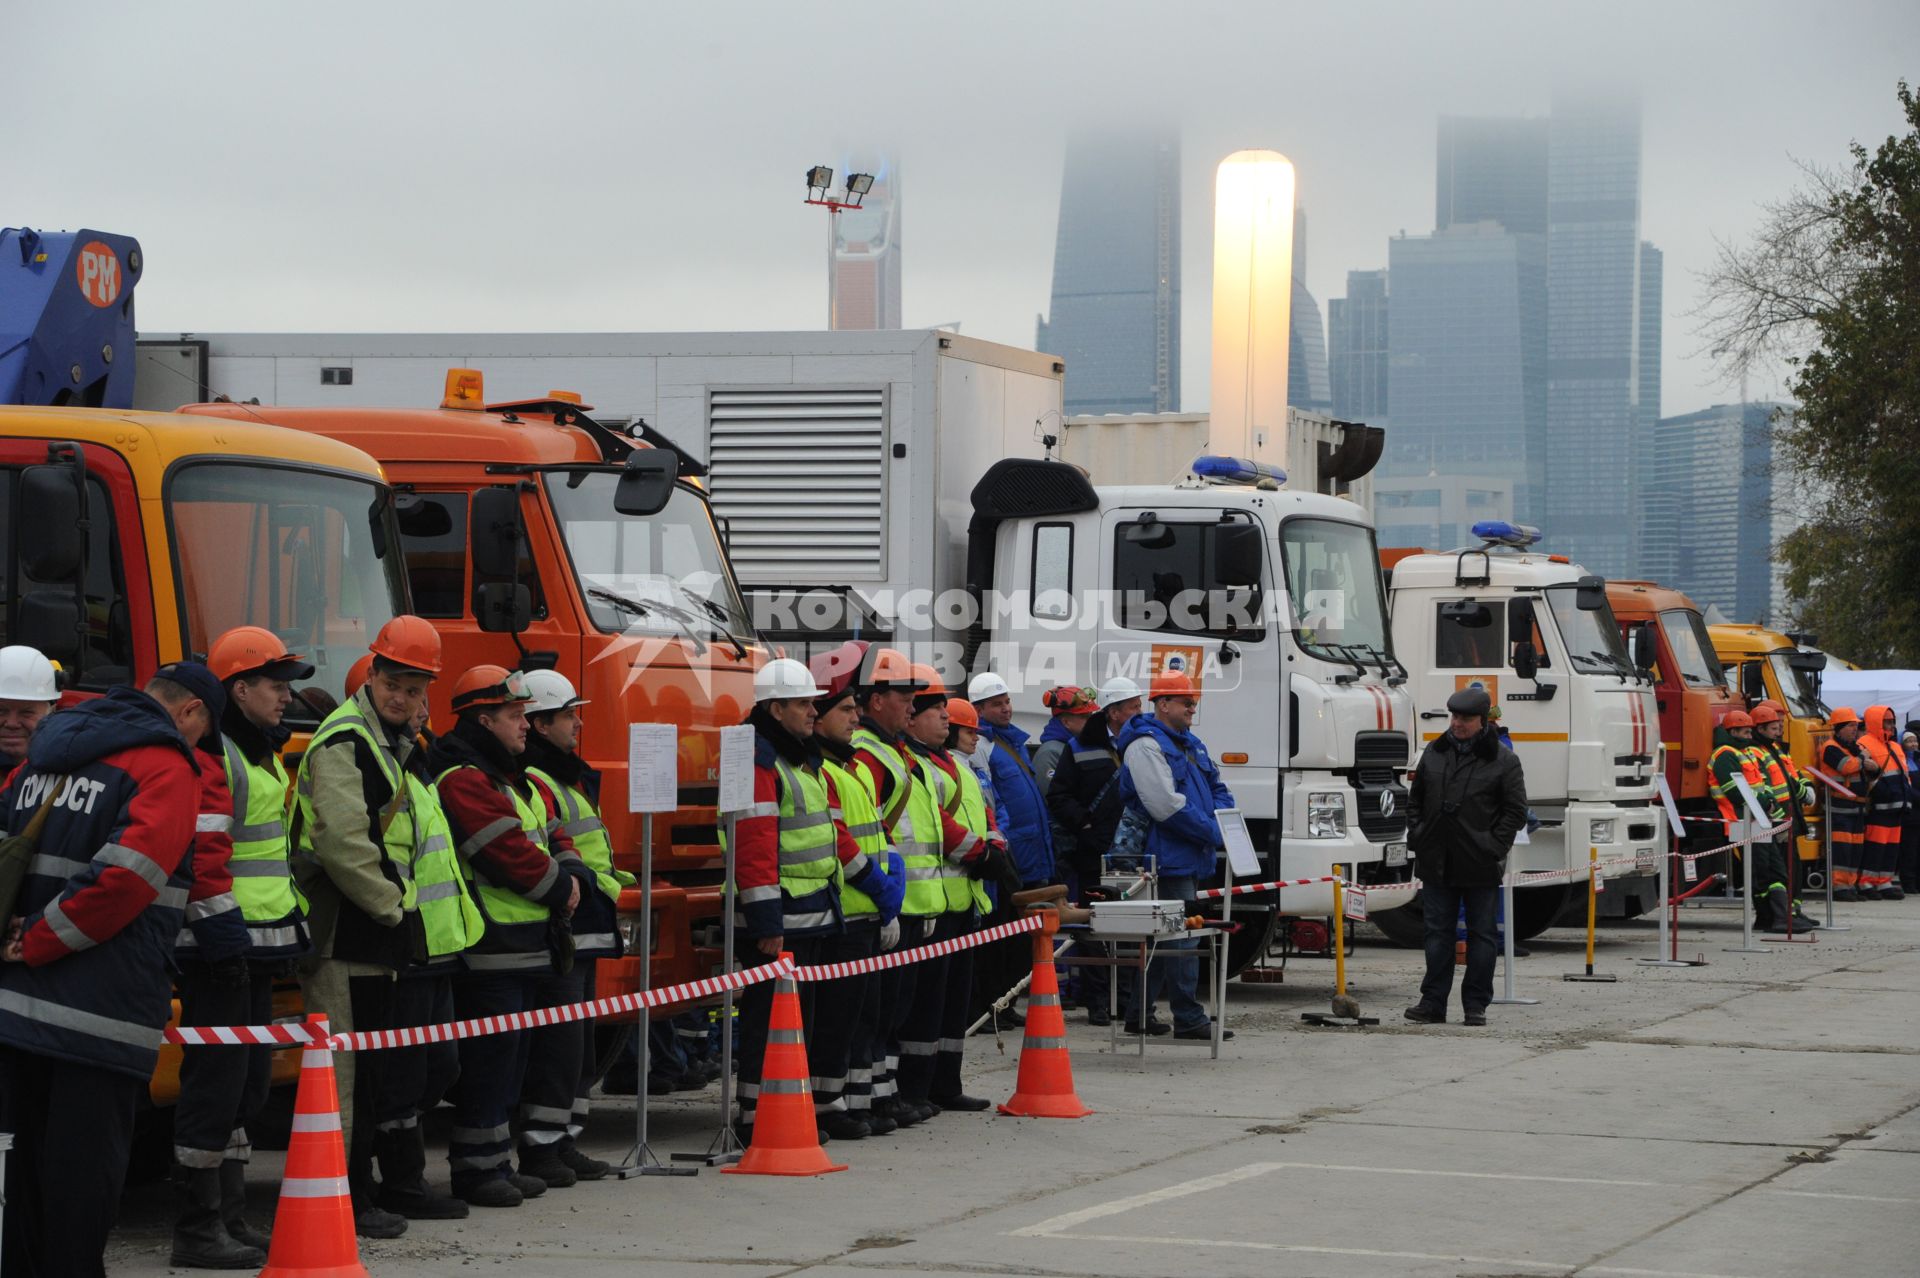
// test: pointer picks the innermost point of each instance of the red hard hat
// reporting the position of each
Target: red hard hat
(251, 650)
(357, 674)
(409, 641)
(1171, 683)
(1737, 719)
(838, 669)
(1765, 712)
(1067, 699)
(488, 686)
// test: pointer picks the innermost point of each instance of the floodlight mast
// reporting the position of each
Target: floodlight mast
(819, 182)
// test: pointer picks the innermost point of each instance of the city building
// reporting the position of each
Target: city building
(1467, 361)
(1308, 384)
(1491, 170)
(865, 289)
(1357, 349)
(1436, 512)
(1723, 502)
(1114, 317)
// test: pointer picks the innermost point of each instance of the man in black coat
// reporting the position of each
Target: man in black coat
(1467, 801)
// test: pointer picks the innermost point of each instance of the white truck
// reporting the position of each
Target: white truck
(1536, 632)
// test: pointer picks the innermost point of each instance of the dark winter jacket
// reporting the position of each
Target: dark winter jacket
(1084, 796)
(105, 893)
(1465, 806)
(1029, 831)
(1182, 840)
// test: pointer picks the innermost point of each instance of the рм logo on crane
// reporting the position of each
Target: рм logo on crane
(97, 270)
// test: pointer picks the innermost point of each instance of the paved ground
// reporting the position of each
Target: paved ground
(1758, 1116)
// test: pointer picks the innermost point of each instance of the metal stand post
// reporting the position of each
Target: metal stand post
(641, 1160)
(1669, 955)
(1506, 945)
(725, 1147)
(1826, 842)
(1746, 946)
(1220, 961)
(1593, 904)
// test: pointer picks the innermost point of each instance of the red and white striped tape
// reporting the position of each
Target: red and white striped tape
(900, 958)
(294, 1035)
(1245, 889)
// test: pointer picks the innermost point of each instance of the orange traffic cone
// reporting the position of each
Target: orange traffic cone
(313, 1227)
(785, 1140)
(1045, 1088)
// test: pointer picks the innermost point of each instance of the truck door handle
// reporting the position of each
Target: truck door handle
(1433, 714)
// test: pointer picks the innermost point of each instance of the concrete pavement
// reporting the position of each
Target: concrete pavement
(1755, 1117)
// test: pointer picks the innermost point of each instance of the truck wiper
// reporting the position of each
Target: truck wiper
(1386, 659)
(719, 624)
(678, 616)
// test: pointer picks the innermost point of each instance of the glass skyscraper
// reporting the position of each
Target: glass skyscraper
(1713, 476)
(1308, 386)
(1114, 316)
(1491, 170)
(1357, 349)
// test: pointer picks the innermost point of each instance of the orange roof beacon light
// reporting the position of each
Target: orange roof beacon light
(466, 389)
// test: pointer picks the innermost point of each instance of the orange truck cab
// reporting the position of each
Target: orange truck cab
(132, 539)
(535, 537)
(1665, 633)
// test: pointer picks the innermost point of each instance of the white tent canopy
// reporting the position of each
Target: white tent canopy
(1899, 689)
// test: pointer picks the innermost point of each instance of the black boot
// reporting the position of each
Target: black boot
(200, 1241)
(233, 1205)
(402, 1154)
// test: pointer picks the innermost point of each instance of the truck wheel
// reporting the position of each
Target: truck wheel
(1536, 908)
(1404, 925)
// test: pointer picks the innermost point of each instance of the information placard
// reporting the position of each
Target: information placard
(1239, 843)
(653, 767)
(736, 768)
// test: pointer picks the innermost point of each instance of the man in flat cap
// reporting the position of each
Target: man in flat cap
(1467, 801)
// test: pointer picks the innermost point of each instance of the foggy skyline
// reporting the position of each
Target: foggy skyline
(480, 167)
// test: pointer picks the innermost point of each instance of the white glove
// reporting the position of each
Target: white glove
(889, 935)
(926, 928)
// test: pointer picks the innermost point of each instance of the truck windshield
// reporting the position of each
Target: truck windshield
(1592, 639)
(1692, 649)
(1796, 687)
(664, 567)
(311, 555)
(1338, 611)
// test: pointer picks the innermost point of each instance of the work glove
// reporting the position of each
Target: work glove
(889, 934)
(896, 866)
(888, 892)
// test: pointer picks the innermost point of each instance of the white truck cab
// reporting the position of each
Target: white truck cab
(1535, 631)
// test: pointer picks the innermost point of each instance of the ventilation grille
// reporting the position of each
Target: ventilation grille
(800, 478)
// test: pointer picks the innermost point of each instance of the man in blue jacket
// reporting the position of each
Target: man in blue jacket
(1003, 752)
(1167, 773)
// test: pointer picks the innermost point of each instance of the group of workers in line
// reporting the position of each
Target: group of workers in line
(405, 879)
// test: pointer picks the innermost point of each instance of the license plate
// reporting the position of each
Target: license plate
(1396, 854)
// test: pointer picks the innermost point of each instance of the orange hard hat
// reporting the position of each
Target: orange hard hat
(254, 650)
(1737, 719)
(409, 641)
(927, 681)
(961, 714)
(357, 674)
(489, 686)
(1171, 683)
(838, 669)
(1765, 712)
(1843, 715)
(1771, 704)
(886, 668)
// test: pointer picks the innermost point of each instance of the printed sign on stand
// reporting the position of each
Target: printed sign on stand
(653, 772)
(1678, 826)
(1753, 805)
(736, 768)
(1239, 843)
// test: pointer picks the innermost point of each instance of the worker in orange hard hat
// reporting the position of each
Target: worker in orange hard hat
(1735, 758)
(1886, 769)
(372, 839)
(1841, 759)
(529, 879)
(246, 924)
(1787, 795)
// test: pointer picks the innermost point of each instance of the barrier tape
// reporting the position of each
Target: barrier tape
(900, 958)
(1244, 889)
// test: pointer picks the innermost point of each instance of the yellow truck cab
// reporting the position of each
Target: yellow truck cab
(1765, 665)
(131, 539)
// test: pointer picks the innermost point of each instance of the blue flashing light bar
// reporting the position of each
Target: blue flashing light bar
(1502, 533)
(1237, 470)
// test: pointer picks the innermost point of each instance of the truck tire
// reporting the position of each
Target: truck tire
(1403, 925)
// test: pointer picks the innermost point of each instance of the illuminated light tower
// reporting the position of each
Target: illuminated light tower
(819, 181)
(1252, 305)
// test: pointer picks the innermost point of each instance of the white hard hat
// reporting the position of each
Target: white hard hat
(1118, 689)
(987, 685)
(26, 675)
(551, 690)
(784, 679)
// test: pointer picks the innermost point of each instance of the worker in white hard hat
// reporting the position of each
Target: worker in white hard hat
(29, 690)
(562, 1055)
(792, 853)
(1084, 800)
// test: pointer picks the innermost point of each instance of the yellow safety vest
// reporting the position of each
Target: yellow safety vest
(916, 835)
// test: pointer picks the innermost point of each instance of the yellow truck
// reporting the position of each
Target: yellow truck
(131, 539)
(1765, 665)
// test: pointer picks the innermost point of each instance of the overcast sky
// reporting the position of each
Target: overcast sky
(396, 166)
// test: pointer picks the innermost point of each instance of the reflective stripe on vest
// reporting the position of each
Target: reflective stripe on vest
(956, 889)
(973, 815)
(869, 834)
(498, 903)
(262, 882)
(809, 856)
(579, 822)
(448, 915)
(918, 812)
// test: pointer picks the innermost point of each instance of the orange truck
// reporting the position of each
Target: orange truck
(132, 539)
(532, 539)
(1665, 633)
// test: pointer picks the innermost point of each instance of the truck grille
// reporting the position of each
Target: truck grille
(1379, 760)
(1380, 750)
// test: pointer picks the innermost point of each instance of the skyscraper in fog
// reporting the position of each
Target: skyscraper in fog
(1491, 170)
(1307, 381)
(1357, 349)
(1115, 311)
(1594, 317)
(866, 257)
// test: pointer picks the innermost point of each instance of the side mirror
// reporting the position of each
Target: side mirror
(496, 532)
(1590, 594)
(1645, 653)
(1526, 661)
(51, 504)
(1753, 684)
(50, 621)
(1467, 614)
(1148, 533)
(1236, 555)
(502, 608)
(1811, 662)
(646, 482)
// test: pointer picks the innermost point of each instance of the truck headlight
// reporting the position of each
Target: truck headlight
(1327, 815)
(630, 933)
(1600, 830)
